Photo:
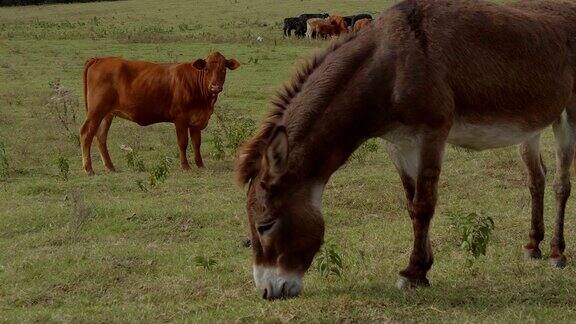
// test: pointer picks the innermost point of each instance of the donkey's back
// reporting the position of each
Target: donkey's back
(503, 72)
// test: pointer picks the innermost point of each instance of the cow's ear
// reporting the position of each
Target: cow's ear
(199, 64)
(277, 153)
(232, 64)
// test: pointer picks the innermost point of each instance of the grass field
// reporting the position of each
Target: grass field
(112, 248)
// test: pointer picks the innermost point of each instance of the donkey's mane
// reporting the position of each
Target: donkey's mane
(250, 156)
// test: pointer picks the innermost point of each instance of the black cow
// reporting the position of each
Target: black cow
(309, 16)
(298, 24)
(291, 24)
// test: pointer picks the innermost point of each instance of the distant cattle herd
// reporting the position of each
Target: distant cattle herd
(323, 25)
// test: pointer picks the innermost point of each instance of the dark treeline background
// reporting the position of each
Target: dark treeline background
(5, 3)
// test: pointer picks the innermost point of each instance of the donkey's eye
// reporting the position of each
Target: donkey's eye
(263, 228)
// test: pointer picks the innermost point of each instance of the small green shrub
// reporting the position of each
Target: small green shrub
(230, 132)
(4, 166)
(135, 161)
(475, 232)
(207, 263)
(63, 167)
(159, 173)
(62, 105)
(219, 148)
(329, 261)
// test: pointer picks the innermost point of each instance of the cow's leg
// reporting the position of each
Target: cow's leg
(102, 136)
(564, 133)
(196, 137)
(419, 168)
(87, 132)
(530, 153)
(182, 134)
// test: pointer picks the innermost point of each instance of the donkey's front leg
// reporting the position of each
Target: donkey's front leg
(421, 209)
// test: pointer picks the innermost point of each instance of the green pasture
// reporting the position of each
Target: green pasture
(114, 248)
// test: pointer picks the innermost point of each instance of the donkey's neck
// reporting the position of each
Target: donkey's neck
(331, 115)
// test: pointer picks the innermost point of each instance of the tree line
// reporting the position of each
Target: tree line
(6, 3)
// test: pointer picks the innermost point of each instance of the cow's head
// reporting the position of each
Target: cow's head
(214, 68)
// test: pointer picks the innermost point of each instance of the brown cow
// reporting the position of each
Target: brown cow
(148, 93)
(362, 23)
(332, 26)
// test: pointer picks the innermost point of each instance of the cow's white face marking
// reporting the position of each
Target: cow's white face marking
(273, 283)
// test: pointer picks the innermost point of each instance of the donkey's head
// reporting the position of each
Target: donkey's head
(285, 220)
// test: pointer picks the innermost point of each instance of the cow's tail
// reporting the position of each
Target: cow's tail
(87, 65)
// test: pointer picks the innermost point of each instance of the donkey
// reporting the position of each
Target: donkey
(470, 73)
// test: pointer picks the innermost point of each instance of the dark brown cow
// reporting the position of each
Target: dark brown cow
(148, 93)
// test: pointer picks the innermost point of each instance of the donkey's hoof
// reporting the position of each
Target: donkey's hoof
(558, 262)
(531, 253)
(405, 283)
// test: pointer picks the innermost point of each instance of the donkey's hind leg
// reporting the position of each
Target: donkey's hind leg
(530, 153)
(564, 133)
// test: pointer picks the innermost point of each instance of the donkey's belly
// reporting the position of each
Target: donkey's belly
(482, 137)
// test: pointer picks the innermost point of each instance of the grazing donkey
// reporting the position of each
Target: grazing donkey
(429, 72)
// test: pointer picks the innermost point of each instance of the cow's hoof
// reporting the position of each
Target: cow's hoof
(531, 253)
(405, 283)
(90, 172)
(185, 167)
(558, 262)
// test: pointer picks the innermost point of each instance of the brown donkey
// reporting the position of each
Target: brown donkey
(429, 72)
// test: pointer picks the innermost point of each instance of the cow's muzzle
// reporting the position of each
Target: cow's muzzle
(215, 89)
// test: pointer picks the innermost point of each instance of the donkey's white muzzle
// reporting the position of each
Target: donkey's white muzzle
(274, 284)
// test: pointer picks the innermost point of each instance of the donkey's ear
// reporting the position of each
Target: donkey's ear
(277, 153)
(199, 64)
